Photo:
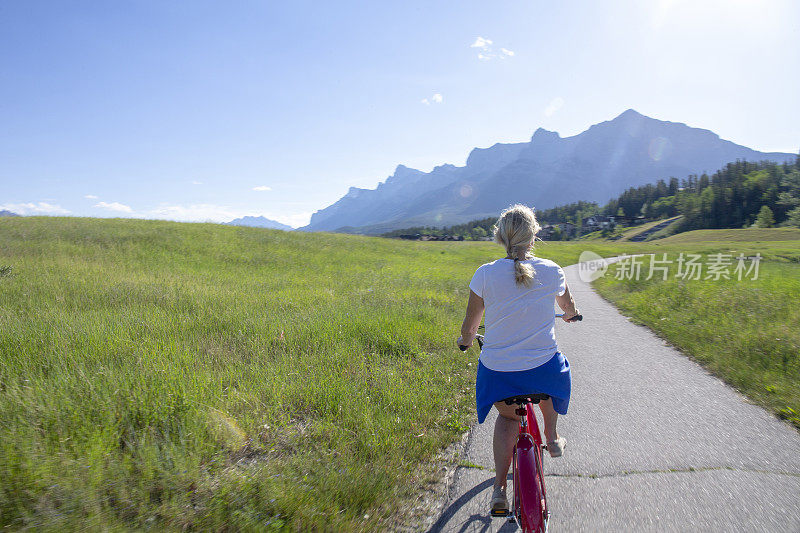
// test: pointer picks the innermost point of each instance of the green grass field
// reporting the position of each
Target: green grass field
(197, 376)
(753, 235)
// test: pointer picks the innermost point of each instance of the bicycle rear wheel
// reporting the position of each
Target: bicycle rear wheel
(529, 496)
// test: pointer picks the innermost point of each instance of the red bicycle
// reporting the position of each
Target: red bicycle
(529, 508)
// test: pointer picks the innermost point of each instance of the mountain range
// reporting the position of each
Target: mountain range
(595, 165)
(259, 222)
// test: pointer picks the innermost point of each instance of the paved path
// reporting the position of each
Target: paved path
(655, 443)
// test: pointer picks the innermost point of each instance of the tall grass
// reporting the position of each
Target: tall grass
(214, 377)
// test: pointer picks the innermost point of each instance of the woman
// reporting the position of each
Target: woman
(519, 355)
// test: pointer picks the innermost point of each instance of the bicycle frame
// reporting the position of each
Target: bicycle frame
(530, 497)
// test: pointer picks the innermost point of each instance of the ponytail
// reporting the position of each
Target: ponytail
(515, 231)
(523, 273)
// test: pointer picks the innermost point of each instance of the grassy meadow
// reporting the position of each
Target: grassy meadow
(752, 235)
(159, 375)
(747, 332)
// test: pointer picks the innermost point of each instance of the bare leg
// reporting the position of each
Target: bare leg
(506, 428)
(550, 418)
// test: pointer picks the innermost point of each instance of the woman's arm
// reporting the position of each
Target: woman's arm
(567, 304)
(472, 320)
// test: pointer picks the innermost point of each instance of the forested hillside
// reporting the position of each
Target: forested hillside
(739, 195)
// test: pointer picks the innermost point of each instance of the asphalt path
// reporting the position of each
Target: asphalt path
(654, 443)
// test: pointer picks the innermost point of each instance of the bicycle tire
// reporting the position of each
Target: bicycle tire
(529, 499)
(533, 427)
(540, 470)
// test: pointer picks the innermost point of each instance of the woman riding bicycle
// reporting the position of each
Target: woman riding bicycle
(519, 355)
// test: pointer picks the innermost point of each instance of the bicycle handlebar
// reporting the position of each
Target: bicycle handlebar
(479, 338)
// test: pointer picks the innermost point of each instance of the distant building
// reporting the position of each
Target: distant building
(546, 233)
(568, 229)
(425, 237)
(596, 222)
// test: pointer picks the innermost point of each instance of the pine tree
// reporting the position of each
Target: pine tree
(794, 217)
(673, 187)
(765, 218)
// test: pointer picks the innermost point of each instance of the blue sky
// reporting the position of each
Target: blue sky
(212, 110)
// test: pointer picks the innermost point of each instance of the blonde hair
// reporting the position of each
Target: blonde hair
(515, 231)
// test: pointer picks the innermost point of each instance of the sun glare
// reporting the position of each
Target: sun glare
(682, 13)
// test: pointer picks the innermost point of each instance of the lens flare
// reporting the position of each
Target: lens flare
(226, 429)
(466, 191)
(659, 147)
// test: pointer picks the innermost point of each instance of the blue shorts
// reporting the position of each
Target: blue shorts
(552, 378)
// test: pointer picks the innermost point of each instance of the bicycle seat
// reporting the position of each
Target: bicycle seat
(522, 399)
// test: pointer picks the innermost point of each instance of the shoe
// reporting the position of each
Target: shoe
(499, 501)
(556, 448)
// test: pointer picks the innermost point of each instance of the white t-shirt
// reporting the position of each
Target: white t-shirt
(520, 321)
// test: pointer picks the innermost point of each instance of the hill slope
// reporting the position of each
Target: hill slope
(601, 162)
(735, 235)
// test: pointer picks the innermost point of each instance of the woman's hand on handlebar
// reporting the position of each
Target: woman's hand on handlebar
(572, 317)
(566, 302)
(464, 345)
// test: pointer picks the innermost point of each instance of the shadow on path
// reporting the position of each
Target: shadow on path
(475, 522)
